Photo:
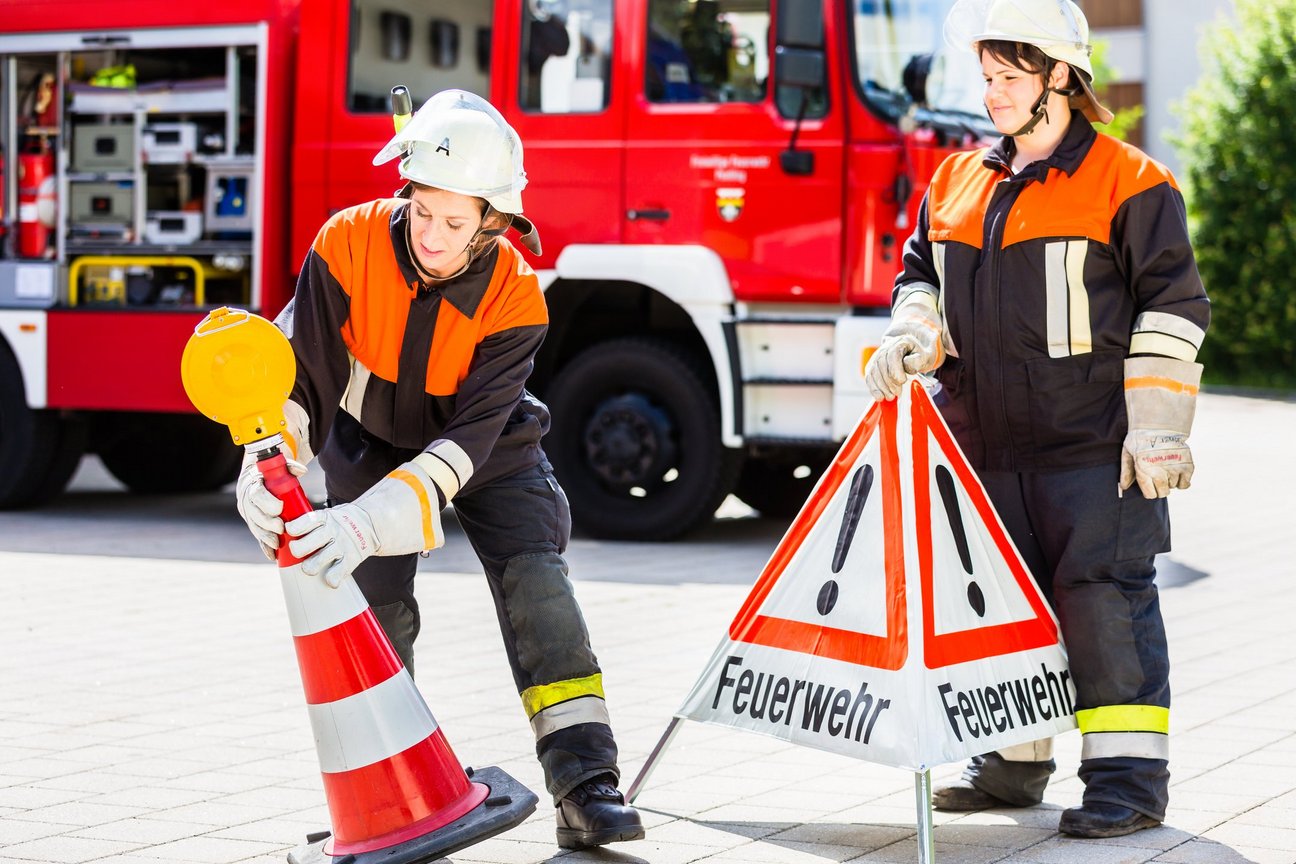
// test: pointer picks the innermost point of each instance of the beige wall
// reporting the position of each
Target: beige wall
(1154, 43)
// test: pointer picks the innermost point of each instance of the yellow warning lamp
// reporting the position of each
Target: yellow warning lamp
(865, 356)
(402, 106)
(238, 369)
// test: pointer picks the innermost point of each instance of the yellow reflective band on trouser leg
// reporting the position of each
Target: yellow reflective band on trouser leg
(1138, 731)
(565, 703)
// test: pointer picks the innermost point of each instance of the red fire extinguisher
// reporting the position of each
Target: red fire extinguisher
(36, 190)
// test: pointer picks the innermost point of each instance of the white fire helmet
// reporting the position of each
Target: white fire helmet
(458, 142)
(1056, 27)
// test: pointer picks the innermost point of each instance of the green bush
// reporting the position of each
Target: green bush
(1238, 146)
(1124, 119)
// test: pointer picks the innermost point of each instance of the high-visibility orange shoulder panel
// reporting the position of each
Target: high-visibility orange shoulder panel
(1085, 203)
(958, 198)
(512, 299)
(357, 247)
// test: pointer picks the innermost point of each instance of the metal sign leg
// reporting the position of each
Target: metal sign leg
(669, 735)
(922, 798)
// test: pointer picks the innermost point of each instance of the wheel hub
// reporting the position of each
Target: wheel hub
(629, 442)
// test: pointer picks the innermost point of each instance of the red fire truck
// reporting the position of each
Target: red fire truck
(723, 188)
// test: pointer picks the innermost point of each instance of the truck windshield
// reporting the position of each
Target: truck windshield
(891, 35)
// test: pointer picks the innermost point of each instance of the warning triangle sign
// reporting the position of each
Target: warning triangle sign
(849, 532)
(978, 599)
(895, 622)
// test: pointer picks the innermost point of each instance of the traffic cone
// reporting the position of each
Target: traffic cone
(396, 793)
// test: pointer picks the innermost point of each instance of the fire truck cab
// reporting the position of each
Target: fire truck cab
(722, 188)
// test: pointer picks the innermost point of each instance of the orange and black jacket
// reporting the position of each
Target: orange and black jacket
(1046, 281)
(389, 365)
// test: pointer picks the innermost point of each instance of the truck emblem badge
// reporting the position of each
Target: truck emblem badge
(729, 202)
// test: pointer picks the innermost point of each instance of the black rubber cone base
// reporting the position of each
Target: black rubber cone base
(506, 806)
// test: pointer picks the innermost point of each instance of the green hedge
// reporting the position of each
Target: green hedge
(1238, 146)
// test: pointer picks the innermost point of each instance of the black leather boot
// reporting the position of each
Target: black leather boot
(1103, 820)
(595, 813)
(961, 795)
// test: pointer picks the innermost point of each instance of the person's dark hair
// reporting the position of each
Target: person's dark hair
(1028, 58)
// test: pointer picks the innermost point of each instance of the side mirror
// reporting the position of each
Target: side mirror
(916, 74)
(800, 67)
(801, 63)
(800, 24)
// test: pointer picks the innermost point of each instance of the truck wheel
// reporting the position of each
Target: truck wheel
(29, 439)
(778, 485)
(72, 434)
(635, 441)
(172, 453)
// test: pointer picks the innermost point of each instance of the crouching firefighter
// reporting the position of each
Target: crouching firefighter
(415, 324)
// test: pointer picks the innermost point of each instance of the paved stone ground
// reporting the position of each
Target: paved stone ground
(151, 709)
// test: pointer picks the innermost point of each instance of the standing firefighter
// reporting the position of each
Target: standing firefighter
(1051, 288)
(414, 325)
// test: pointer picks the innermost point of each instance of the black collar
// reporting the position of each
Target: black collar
(1070, 152)
(465, 291)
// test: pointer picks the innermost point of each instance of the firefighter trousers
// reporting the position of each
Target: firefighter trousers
(1092, 555)
(519, 526)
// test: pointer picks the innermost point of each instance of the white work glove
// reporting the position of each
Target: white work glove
(1160, 400)
(259, 508)
(401, 514)
(912, 344)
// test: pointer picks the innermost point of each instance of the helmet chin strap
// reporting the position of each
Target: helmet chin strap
(1040, 110)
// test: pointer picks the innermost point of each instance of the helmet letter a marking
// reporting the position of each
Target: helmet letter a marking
(444, 145)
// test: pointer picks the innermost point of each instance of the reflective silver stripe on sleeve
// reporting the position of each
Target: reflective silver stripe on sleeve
(1140, 745)
(442, 474)
(1040, 750)
(1166, 334)
(1078, 297)
(453, 455)
(353, 396)
(585, 709)
(914, 291)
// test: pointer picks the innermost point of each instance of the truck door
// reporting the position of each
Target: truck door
(428, 47)
(545, 64)
(706, 132)
(561, 60)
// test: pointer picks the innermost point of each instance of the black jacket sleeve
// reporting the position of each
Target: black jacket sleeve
(313, 322)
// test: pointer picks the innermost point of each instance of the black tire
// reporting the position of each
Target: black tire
(172, 453)
(29, 439)
(73, 433)
(635, 441)
(771, 485)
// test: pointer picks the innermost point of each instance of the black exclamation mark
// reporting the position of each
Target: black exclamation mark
(861, 483)
(945, 483)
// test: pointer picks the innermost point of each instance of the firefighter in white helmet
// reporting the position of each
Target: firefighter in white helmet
(1051, 289)
(415, 324)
